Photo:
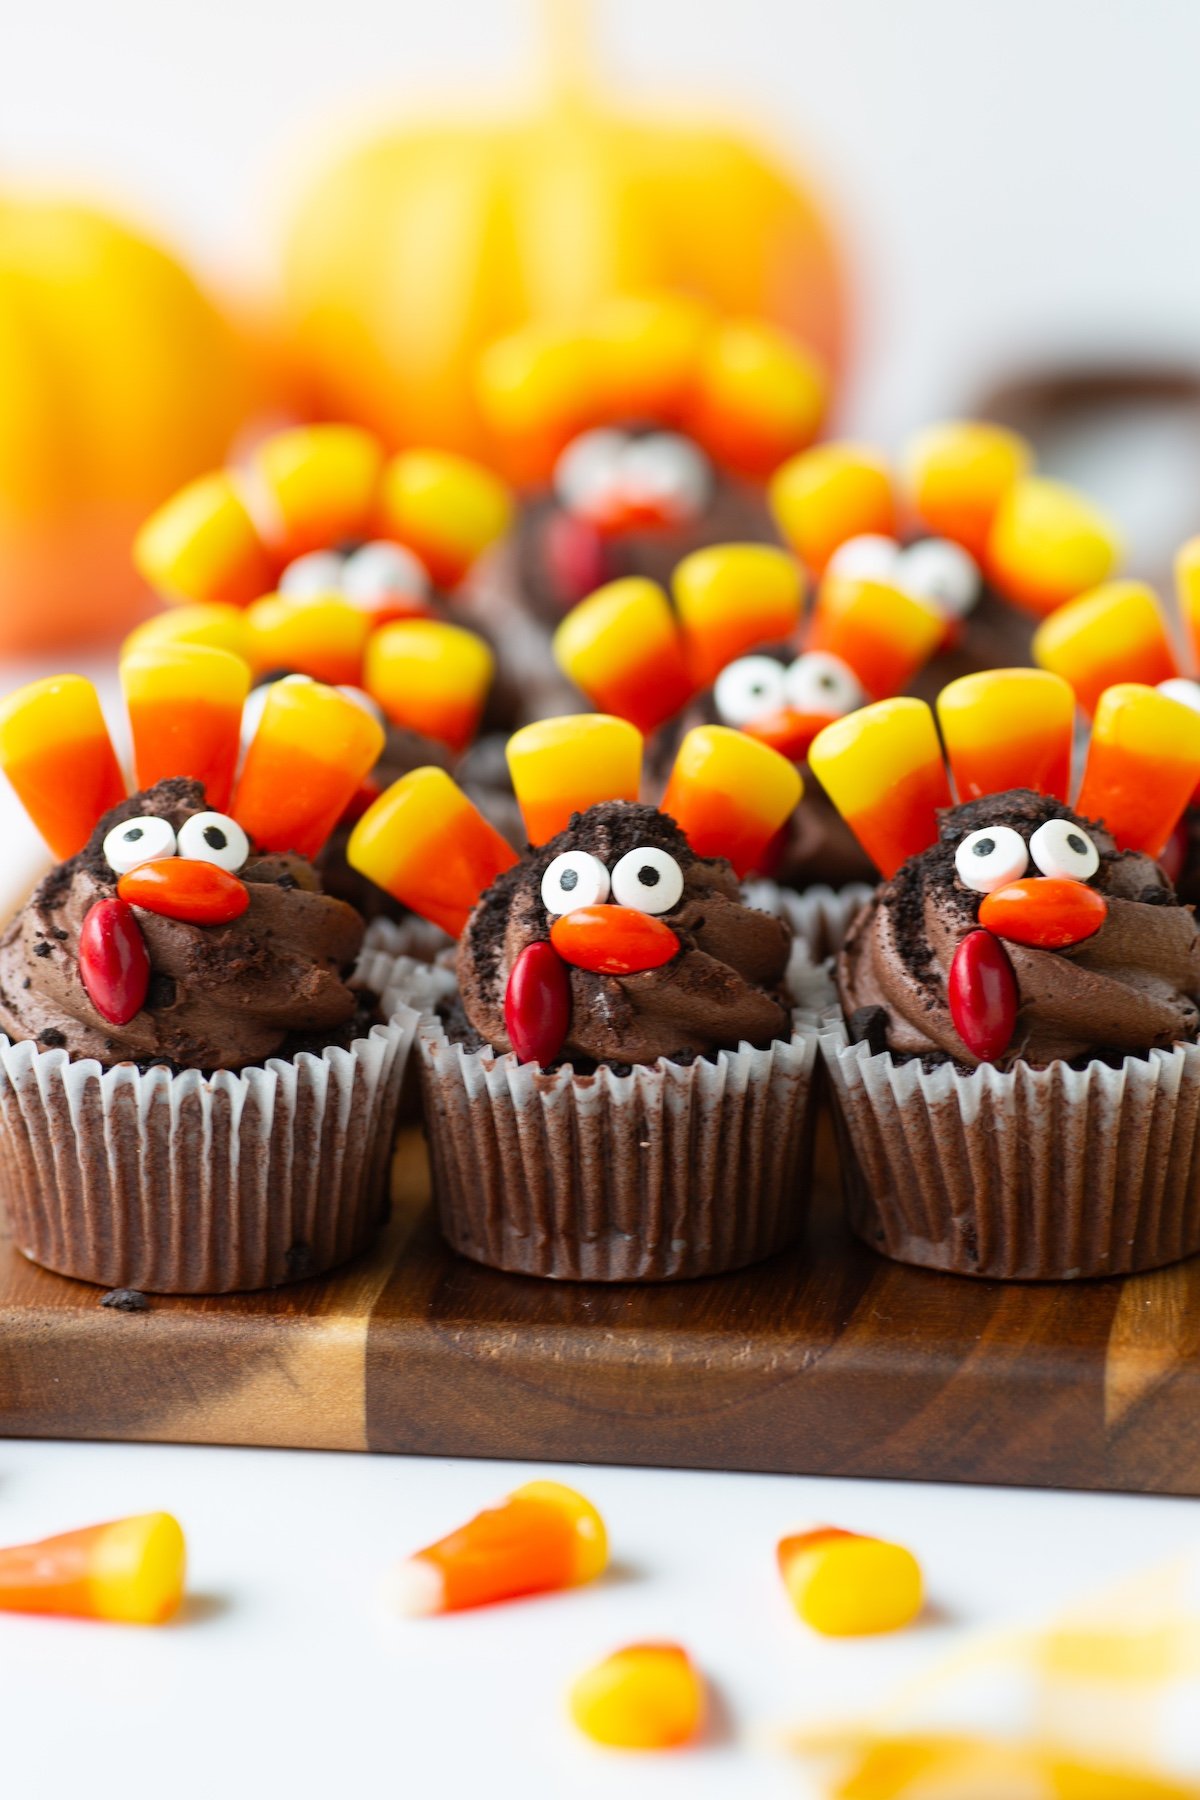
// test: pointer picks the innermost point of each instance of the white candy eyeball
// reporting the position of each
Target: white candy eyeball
(942, 574)
(383, 574)
(748, 689)
(140, 840)
(312, 577)
(214, 837)
(1180, 688)
(589, 469)
(367, 701)
(871, 557)
(991, 858)
(1060, 847)
(820, 683)
(648, 879)
(576, 878)
(669, 471)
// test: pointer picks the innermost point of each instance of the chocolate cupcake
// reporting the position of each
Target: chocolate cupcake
(621, 1088)
(1017, 1079)
(199, 1069)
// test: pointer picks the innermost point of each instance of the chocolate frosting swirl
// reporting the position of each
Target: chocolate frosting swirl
(221, 996)
(1130, 988)
(721, 989)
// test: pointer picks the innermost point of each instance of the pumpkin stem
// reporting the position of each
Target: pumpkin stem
(567, 41)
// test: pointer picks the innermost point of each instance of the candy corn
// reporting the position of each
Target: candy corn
(563, 766)
(645, 1697)
(1187, 586)
(314, 486)
(185, 709)
(543, 1537)
(56, 751)
(730, 795)
(623, 649)
(1113, 633)
(218, 627)
(204, 546)
(425, 844)
(312, 748)
(641, 352)
(1047, 544)
(845, 1585)
(828, 494)
(325, 639)
(430, 678)
(1008, 728)
(758, 396)
(883, 634)
(535, 389)
(733, 598)
(956, 475)
(1143, 766)
(882, 768)
(130, 1572)
(446, 508)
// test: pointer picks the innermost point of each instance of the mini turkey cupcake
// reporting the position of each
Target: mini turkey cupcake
(199, 1070)
(1017, 1077)
(622, 1088)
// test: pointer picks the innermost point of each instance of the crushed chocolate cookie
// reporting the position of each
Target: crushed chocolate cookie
(126, 1300)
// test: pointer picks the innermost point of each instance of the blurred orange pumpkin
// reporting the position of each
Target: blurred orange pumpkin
(425, 245)
(119, 379)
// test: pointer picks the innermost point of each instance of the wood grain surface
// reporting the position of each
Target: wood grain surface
(828, 1360)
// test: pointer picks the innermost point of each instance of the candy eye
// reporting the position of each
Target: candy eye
(819, 683)
(312, 577)
(384, 574)
(648, 879)
(1062, 848)
(871, 557)
(942, 573)
(666, 471)
(748, 689)
(991, 858)
(574, 879)
(137, 841)
(214, 837)
(587, 473)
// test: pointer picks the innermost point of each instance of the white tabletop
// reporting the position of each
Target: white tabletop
(285, 1675)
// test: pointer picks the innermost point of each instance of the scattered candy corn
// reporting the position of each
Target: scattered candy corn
(730, 795)
(543, 1537)
(425, 844)
(446, 508)
(882, 633)
(204, 546)
(56, 751)
(129, 1572)
(314, 486)
(828, 494)
(846, 1585)
(732, 598)
(312, 748)
(324, 638)
(882, 768)
(645, 1697)
(185, 708)
(430, 678)
(758, 397)
(1008, 728)
(1143, 766)
(1047, 544)
(956, 475)
(1116, 632)
(562, 766)
(623, 649)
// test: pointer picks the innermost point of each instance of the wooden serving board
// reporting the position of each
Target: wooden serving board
(829, 1360)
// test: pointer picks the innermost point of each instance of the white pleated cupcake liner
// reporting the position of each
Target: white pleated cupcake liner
(820, 916)
(186, 1183)
(1028, 1174)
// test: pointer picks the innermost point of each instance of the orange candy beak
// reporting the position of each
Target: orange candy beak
(179, 887)
(1044, 912)
(788, 732)
(613, 940)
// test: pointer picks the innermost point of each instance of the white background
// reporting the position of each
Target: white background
(1018, 178)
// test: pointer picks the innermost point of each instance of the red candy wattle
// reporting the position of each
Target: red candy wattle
(1047, 912)
(613, 940)
(177, 887)
(982, 991)
(114, 965)
(537, 1004)
(575, 556)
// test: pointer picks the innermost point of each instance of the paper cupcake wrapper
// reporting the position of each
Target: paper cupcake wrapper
(181, 1183)
(1022, 1175)
(668, 1172)
(820, 916)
